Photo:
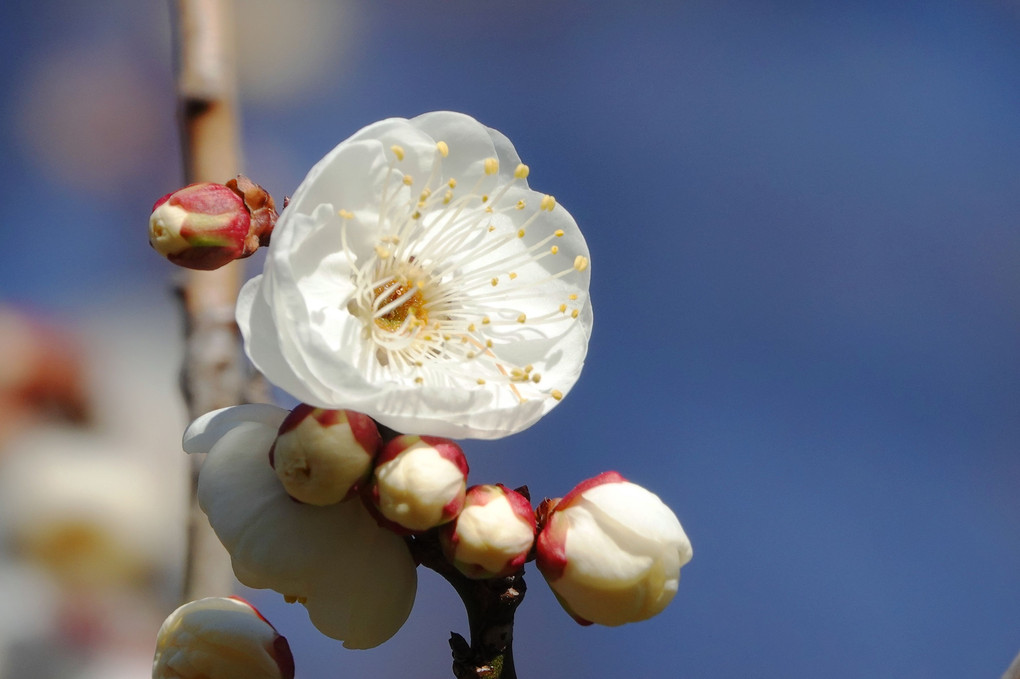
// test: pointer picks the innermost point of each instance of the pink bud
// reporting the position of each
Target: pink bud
(419, 482)
(493, 534)
(204, 226)
(220, 637)
(321, 455)
(612, 551)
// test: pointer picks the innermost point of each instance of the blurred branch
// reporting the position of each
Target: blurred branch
(213, 372)
(1013, 671)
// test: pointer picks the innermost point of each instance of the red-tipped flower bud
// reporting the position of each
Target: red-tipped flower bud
(204, 226)
(492, 535)
(612, 551)
(419, 482)
(321, 455)
(220, 637)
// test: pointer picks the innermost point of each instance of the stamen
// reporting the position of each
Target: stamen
(491, 166)
(443, 149)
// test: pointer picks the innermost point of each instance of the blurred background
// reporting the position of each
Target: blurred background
(804, 221)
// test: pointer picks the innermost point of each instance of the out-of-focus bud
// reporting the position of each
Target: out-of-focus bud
(321, 455)
(419, 482)
(222, 638)
(492, 535)
(204, 226)
(612, 551)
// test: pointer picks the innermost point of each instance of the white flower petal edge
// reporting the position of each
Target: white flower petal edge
(357, 580)
(415, 277)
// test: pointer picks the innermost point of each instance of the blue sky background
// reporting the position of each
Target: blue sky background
(804, 221)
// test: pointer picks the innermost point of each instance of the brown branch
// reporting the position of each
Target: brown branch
(213, 372)
(1013, 671)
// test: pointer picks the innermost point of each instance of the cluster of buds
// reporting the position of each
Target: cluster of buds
(610, 549)
(204, 226)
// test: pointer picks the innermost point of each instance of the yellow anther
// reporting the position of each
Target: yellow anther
(536, 378)
(346, 214)
(424, 195)
(408, 180)
(398, 151)
(520, 234)
(521, 171)
(415, 215)
(447, 197)
(580, 262)
(528, 368)
(554, 249)
(563, 308)
(488, 343)
(491, 166)
(486, 320)
(489, 209)
(572, 296)
(495, 281)
(558, 233)
(420, 285)
(382, 252)
(548, 203)
(452, 183)
(471, 354)
(492, 227)
(520, 205)
(443, 149)
(513, 275)
(556, 394)
(522, 318)
(419, 380)
(574, 313)
(472, 328)
(485, 199)
(480, 381)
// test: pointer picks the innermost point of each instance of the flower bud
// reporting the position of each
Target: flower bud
(320, 455)
(222, 638)
(492, 535)
(419, 481)
(612, 551)
(206, 225)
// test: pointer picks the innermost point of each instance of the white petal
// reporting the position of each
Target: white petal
(202, 434)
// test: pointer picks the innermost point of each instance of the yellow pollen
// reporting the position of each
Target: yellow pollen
(522, 318)
(471, 354)
(471, 328)
(572, 296)
(413, 307)
(420, 285)
(489, 209)
(536, 378)
(580, 262)
(416, 215)
(346, 214)
(491, 166)
(485, 199)
(382, 252)
(520, 234)
(495, 281)
(408, 180)
(443, 149)
(486, 320)
(481, 381)
(447, 197)
(424, 195)
(556, 394)
(520, 205)
(452, 183)
(492, 227)
(574, 313)
(419, 379)
(548, 203)
(398, 151)
(563, 308)
(521, 171)
(554, 249)
(513, 275)
(558, 233)
(488, 343)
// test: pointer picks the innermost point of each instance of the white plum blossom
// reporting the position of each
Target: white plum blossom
(220, 637)
(612, 551)
(356, 579)
(415, 277)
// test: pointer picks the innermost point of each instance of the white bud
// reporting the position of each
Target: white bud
(222, 638)
(612, 551)
(420, 481)
(493, 533)
(320, 455)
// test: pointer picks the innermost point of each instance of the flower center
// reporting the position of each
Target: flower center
(402, 301)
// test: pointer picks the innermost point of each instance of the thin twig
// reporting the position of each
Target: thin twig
(213, 372)
(1013, 671)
